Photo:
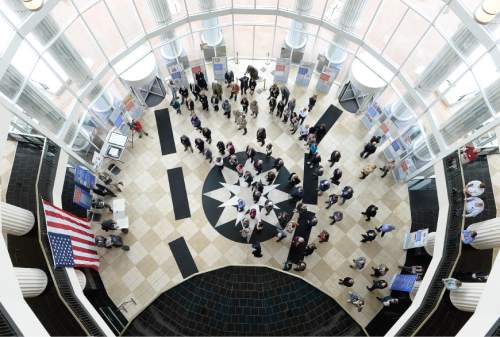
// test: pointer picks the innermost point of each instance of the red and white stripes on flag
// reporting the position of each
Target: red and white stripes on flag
(71, 238)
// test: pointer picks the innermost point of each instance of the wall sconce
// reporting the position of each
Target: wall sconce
(33, 5)
(485, 13)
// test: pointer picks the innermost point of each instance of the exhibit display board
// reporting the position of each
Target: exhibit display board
(304, 74)
(219, 65)
(326, 78)
(177, 74)
(281, 70)
(198, 65)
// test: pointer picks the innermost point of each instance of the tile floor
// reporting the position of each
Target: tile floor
(149, 268)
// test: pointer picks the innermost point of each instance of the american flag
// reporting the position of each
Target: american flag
(71, 238)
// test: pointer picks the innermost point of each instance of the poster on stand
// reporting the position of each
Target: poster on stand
(219, 65)
(198, 65)
(281, 70)
(177, 74)
(325, 81)
(415, 239)
(304, 74)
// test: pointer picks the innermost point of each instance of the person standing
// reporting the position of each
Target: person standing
(324, 185)
(368, 150)
(375, 139)
(173, 89)
(303, 114)
(297, 193)
(190, 105)
(272, 105)
(387, 301)
(204, 102)
(285, 93)
(217, 90)
(312, 102)
(233, 160)
(347, 193)
(186, 142)
(356, 300)
(346, 281)
(195, 90)
(248, 178)
(278, 164)
(254, 108)
(367, 171)
(196, 122)
(369, 236)
(293, 179)
(261, 136)
(332, 199)
(301, 266)
(230, 148)
(207, 133)
(252, 84)
(280, 108)
(258, 166)
(183, 91)
(244, 104)
(388, 167)
(358, 263)
(200, 80)
(385, 228)
(208, 155)
(337, 174)
(242, 123)
(269, 149)
(310, 248)
(377, 284)
(136, 126)
(270, 176)
(370, 212)
(321, 132)
(176, 105)
(215, 102)
(303, 132)
(334, 157)
(235, 89)
(226, 107)
(380, 270)
(200, 144)
(250, 152)
(291, 105)
(229, 77)
(336, 217)
(268, 206)
(221, 147)
(244, 84)
(323, 236)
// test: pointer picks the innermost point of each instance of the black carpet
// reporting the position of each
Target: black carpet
(295, 254)
(310, 184)
(165, 132)
(178, 192)
(329, 118)
(244, 301)
(183, 257)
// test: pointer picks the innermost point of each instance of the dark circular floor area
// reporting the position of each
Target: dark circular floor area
(244, 301)
(213, 209)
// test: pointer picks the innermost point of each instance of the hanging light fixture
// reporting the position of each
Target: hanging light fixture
(33, 5)
(485, 13)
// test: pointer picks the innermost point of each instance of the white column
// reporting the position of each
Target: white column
(82, 279)
(347, 22)
(32, 281)
(488, 234)
(15, 220)
(212, 36)
(163, 16)
(467, 296)
(429, 244)
(295, 38)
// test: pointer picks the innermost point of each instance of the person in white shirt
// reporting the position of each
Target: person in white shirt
(474, 188)
(473, 206)
(302, 115)
(303, 132)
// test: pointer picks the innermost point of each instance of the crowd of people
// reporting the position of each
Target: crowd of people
(283, 107)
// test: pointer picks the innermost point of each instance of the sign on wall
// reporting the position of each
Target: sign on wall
(281, 70)
(219, 65)
(304, 74)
